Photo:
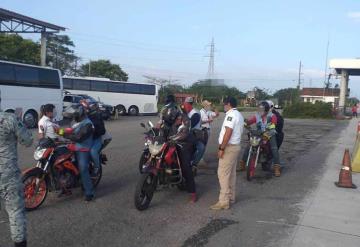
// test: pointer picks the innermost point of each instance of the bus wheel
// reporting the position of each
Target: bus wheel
(121, 110)
(30, 119)
(133, 111)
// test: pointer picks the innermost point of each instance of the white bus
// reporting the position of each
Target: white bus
(125, 97)
(28, 87)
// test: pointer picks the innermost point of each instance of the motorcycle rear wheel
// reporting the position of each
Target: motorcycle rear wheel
(144, 192)
(33, 196)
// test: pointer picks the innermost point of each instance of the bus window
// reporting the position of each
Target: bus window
(6, 73)
(81, 85)
(99, 86)
(49, 78)
(27, 76)
(116, 87)
(132, 88)
(67, 83)
(148, 89)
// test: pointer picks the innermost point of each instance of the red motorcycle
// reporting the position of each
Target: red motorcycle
(161, 168)
(259, 152)
(56, 170)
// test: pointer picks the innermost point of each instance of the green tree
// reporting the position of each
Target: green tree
(214, 92)
(60, 54)
(287, 96)
(15, 48)
(104, 68)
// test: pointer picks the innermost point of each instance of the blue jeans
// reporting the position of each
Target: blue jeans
(83, 159)
(199, 152)
(95, 152)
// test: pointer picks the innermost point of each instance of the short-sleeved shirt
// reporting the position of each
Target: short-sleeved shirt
(206, 116)
(47, 127)
(235, 121)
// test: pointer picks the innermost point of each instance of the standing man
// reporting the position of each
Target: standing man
(229, 150)
(195, 121)
(11, 187)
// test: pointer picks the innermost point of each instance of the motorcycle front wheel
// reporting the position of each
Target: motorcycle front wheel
(145, 189)
(143, 159)
(35, 189)
(250, 168)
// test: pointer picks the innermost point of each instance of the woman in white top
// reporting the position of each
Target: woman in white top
(47, 128)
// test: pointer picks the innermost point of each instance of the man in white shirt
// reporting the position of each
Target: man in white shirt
(47, 128)
(229, 150)
(207, 117)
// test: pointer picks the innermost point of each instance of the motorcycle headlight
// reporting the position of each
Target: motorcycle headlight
(155, 149)
(255, 141)
(39, 152)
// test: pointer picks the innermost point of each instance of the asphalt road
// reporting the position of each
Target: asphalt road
(266, 210)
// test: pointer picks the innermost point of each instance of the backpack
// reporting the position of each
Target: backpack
(280, 122)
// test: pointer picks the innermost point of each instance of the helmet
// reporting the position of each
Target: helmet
(169, 114)
(264, 105)
(170, 99)
(271, 104)
(76, 112)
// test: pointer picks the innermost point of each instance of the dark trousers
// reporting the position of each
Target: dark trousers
(279, 139)
(185, 154)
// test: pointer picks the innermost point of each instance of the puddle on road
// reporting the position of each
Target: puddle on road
(201, 238)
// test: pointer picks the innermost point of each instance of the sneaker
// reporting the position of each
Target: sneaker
(89, 198)
(220, 206)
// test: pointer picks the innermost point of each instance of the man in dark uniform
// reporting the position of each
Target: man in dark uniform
(13, 131)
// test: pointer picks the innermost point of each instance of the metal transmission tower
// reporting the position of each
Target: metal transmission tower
(210, 73)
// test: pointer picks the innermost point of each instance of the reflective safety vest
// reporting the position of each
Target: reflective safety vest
(191, 113)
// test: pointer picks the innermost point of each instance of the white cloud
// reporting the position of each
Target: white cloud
(355, 15)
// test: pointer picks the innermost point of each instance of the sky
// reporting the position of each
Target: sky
(258, 43)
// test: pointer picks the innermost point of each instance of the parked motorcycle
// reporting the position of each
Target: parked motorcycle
(56, 170)
(161, 168)
(259, 152)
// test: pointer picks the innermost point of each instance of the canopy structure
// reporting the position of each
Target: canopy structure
(345, 68)
(11, 22)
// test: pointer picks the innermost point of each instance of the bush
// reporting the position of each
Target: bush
(308, 110)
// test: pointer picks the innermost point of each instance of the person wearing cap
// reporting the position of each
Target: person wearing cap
(195, 127)
(229, 150)
(207, 117)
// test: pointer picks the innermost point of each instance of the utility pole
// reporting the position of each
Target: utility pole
(210, 73)
(299, 79)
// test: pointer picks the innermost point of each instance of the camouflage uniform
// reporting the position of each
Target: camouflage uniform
(11, 187)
